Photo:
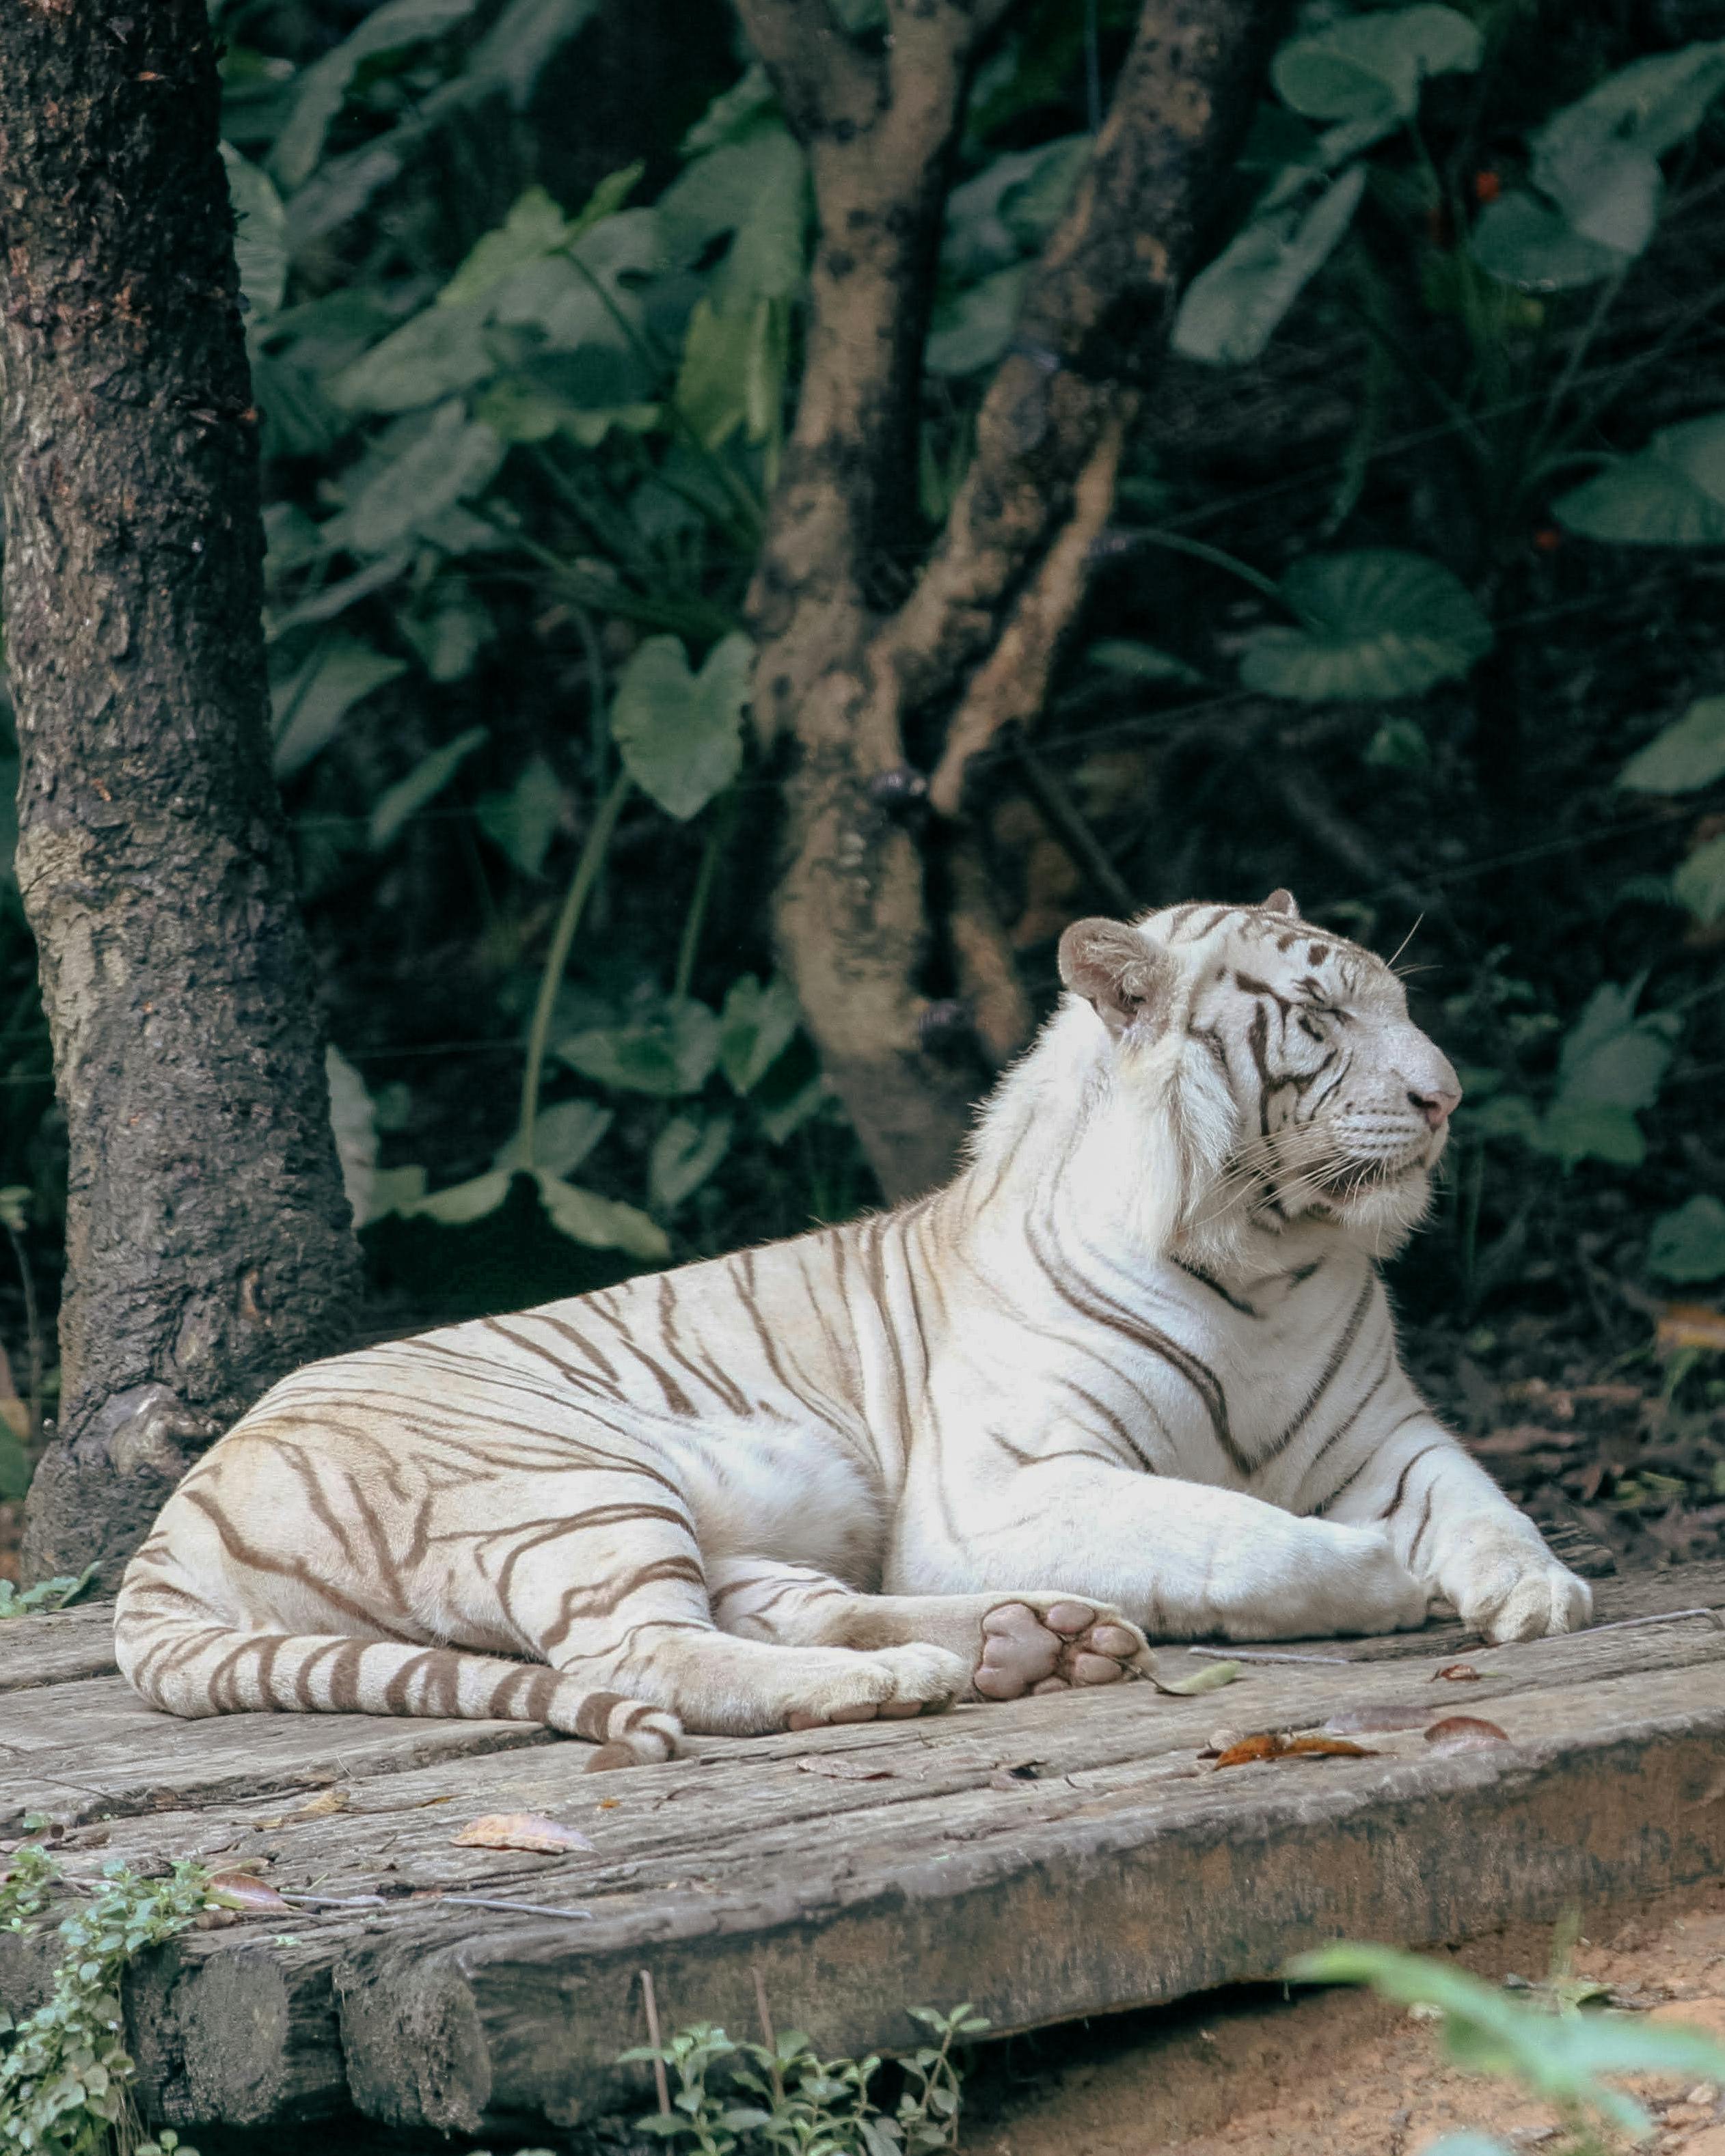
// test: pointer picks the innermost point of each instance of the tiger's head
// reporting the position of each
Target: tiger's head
(1298, 1088)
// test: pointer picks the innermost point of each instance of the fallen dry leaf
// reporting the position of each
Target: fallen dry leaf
(1210, 1678)
(244, 1892)
(1464, 1733)
(1690, 1325)
(1271, 1744)
(1457, 1673)
(529, 1831)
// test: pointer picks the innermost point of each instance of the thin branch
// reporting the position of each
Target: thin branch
(1012, 683)
(1096, 313)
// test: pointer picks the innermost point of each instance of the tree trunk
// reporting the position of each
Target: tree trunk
(973, 644)
(209, 1248)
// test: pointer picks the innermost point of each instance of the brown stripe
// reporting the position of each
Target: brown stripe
(1338, 1356)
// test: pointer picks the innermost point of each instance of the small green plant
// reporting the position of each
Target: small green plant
(64, 2071)
(783, 2097)
(1554, 2051)
(56, 1593)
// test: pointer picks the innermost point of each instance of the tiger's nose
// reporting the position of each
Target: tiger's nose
(1435, 1106)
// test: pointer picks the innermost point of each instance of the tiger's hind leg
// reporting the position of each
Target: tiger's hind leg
(1011, 1644)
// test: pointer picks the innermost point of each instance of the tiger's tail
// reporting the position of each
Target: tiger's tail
(177, 1652)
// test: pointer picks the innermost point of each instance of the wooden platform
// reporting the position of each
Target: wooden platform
(1063, 1856)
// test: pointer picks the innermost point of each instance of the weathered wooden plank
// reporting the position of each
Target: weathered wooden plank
(712, 1880)
(1615, 1789)
(55, 1649)
(91, 1748)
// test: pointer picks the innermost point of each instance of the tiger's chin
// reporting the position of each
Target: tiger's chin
(1378, 1203)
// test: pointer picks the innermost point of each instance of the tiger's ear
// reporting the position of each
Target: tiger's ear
(1119, 975)
(1281, 902)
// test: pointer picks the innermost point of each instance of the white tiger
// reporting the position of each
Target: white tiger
(1132, 1372)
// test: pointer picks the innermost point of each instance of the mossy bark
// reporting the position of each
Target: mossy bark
(209, 1248)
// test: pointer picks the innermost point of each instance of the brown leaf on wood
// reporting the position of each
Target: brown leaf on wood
(1464, 1733)
(242, 1891)
(1272, 1744)
(529, 1831)
(1457, 1673)
(1690, 1325)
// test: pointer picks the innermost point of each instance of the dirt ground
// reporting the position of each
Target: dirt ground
(1252, 2073)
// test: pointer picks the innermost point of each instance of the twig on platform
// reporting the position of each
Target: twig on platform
(657, 2042)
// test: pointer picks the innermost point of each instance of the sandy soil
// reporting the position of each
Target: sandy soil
(1250, 2073)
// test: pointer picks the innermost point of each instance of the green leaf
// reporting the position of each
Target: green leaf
(534, 227)
(354, 1121)
(259, 233)
(755, 1029)
(1688, 753)
(685, 1153)
(603, 1224)
(671, 1052)
(1688, 1243)
(1610, 1055)
(756, 188)
(1377, 622)
(1232, 309)
(733, 370)
(1655, 103)
(438, 352)
(523, 822)
(680, 733)
(446, 458)
(563, 1135)
(1595, 168)
(1671, 495)
(462, 1202)
(449, 636)
(784, 1121)
(1398, 745)
(1531, 245)
(309, 708)
(1699, 883)
(1368, 67)
(322, 88)
(1580, 1129)
(422, 785)
(1142, 662)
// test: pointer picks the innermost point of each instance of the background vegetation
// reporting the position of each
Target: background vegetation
(1411, 600)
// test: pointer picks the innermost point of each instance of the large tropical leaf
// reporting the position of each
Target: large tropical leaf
(259, 234)
(1373, 624)
(309, 707)
(1671, 495)
(1232, 309)
(1688, 753)
(680, 733)
(1365, 67)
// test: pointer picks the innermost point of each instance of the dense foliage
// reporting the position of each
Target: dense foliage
(1409, 603)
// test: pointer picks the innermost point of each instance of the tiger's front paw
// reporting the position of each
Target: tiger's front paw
(1510, 1589)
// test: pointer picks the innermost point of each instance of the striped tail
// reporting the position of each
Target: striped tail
(190, 1664)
